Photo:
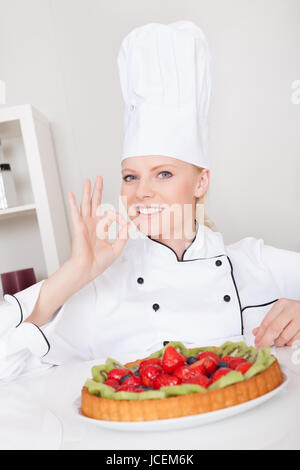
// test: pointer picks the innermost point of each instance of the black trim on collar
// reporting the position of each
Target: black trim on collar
(260, 305)
(21, 311)
(186, 260)
(179, 260)
(48, 344)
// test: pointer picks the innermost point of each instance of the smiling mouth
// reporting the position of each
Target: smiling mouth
(148, 212)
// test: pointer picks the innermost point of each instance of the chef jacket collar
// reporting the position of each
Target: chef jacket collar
(206, 244)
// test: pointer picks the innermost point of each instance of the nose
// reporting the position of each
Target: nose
(144, 189)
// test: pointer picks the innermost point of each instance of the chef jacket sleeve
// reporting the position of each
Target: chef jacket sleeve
(284, 265)
(66, 337)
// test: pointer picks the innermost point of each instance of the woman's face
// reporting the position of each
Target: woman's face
(159, 194)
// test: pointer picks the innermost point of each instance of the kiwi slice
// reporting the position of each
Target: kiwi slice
(262, 355)
(99, 373)
(222, 350)
(228, 379)
(254, 370)
(180, 347)
(151, 395)
(184, 389)
(232, 349)
(99, 389)
(113, 364)
(125, 396)
(197, 351)
(240, 350)
(265, 357)
(156, 354)
(148, 395)
(251, 354)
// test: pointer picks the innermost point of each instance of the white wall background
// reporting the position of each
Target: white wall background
(60, 56)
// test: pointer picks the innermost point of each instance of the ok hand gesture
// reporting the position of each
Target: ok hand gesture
(92, 252)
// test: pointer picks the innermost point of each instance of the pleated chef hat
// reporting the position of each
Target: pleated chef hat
(165, 80)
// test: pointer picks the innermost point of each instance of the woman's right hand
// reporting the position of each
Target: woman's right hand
(92, 252)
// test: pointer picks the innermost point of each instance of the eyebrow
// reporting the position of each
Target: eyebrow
(154, 168)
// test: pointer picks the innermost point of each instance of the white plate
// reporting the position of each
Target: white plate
(183, 422)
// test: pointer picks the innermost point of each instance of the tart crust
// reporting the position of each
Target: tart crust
(183, 405)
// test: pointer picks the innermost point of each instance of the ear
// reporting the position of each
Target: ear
(202, 182)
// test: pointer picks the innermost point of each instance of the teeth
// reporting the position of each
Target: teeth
(150, 210)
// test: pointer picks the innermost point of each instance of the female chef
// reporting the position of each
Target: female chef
(177, 281)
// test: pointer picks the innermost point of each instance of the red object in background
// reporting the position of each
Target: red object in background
(15, 281)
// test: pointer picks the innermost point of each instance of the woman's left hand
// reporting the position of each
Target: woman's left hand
(281, 325)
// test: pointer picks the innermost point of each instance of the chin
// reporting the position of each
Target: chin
(155, 229)
(152, 230)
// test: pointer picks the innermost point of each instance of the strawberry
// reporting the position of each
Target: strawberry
(208, 362)
(112, 383)
(199, 367)
(164, 380)
(199, 380)
(133, 380)
(172, 360)
(182, 372)
(227, 359)
(244, 367)
(153, 361)
(208, 354)
(126, 388)
(210, 365)
(220, 373)
(117, 374)
(149, 373)
(194, 373)
(236, 361)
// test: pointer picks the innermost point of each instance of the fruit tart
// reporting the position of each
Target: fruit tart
(176, 381)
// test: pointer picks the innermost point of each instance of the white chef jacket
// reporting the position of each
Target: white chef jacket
(148, 296)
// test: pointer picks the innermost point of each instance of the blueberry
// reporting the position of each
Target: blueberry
(125, 377)
(165, 343)
(191, 360)
(142, 387)
(137, 373)
(222, 364)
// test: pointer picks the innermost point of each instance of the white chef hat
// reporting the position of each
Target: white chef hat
(165, 79)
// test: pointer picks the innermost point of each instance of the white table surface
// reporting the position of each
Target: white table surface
(36, 413)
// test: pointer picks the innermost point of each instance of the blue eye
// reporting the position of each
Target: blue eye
(127, 176)
(164, 173)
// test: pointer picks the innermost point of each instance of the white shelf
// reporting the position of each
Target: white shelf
(42, 241)
(16, 210)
